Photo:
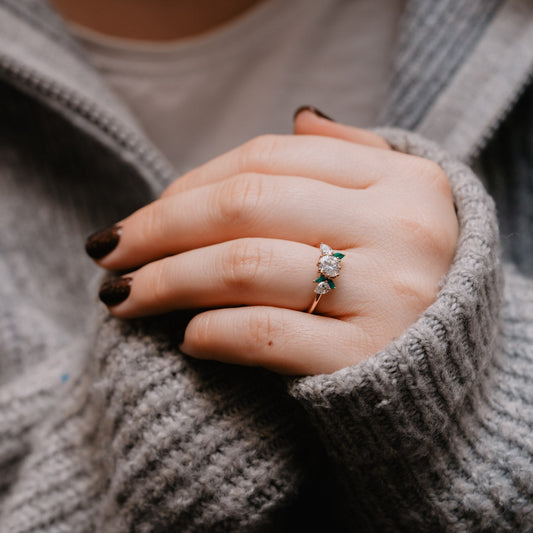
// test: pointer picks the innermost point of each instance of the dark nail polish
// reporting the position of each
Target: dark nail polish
(313, 110)
(115, 291)
(102, 242)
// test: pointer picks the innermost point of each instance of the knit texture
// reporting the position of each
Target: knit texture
(435, 40)
(105, 426)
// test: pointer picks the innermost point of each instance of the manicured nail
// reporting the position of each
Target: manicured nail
(313, 110)
(102, 242)
(115, 291)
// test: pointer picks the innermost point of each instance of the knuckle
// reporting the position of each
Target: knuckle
(150, 223)
(258, 152)
(425, 234)
(444, 241)
(241, 263)
(238, 198)
(416, 296)
(433, 175)
(426, 167)
(159, 275)
(440, 182)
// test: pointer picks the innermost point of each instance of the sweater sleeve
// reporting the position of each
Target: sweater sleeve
(435, 432)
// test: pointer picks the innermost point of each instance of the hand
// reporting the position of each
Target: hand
(240, 234)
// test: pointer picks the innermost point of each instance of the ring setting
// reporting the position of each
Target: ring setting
(329, 266)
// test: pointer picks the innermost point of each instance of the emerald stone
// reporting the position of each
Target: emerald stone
(321, 278)
(339, 255)
(331, 284)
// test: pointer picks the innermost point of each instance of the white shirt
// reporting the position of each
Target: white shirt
(199, 97)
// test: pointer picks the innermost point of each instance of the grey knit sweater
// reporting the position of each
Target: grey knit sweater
(105, 426)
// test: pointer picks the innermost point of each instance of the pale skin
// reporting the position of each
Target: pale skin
(154, 20)
(240, 234)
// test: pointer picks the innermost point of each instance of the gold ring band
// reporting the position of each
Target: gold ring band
(315, 303)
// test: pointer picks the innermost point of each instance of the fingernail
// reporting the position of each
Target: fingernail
(102, 242)
(115, 291)
(313, 110)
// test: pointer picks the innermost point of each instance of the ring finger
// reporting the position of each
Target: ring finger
(241, 272)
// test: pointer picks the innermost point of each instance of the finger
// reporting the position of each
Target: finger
(248, 205)
(281, 340)
(240, 272)
(322, 158)
(310, 121)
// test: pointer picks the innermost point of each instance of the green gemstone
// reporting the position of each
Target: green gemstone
(320, 279)
(338, 255)
(330, 283)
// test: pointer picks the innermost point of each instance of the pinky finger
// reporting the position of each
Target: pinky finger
(281, 340)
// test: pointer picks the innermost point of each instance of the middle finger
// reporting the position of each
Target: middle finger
(247, 205)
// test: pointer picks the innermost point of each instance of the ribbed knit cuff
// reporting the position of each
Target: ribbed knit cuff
(390, 410)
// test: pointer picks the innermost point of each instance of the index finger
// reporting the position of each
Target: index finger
(336, 161)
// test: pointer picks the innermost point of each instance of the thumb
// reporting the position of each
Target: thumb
(310, 121)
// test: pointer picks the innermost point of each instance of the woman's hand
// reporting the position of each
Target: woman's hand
(240, 234)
